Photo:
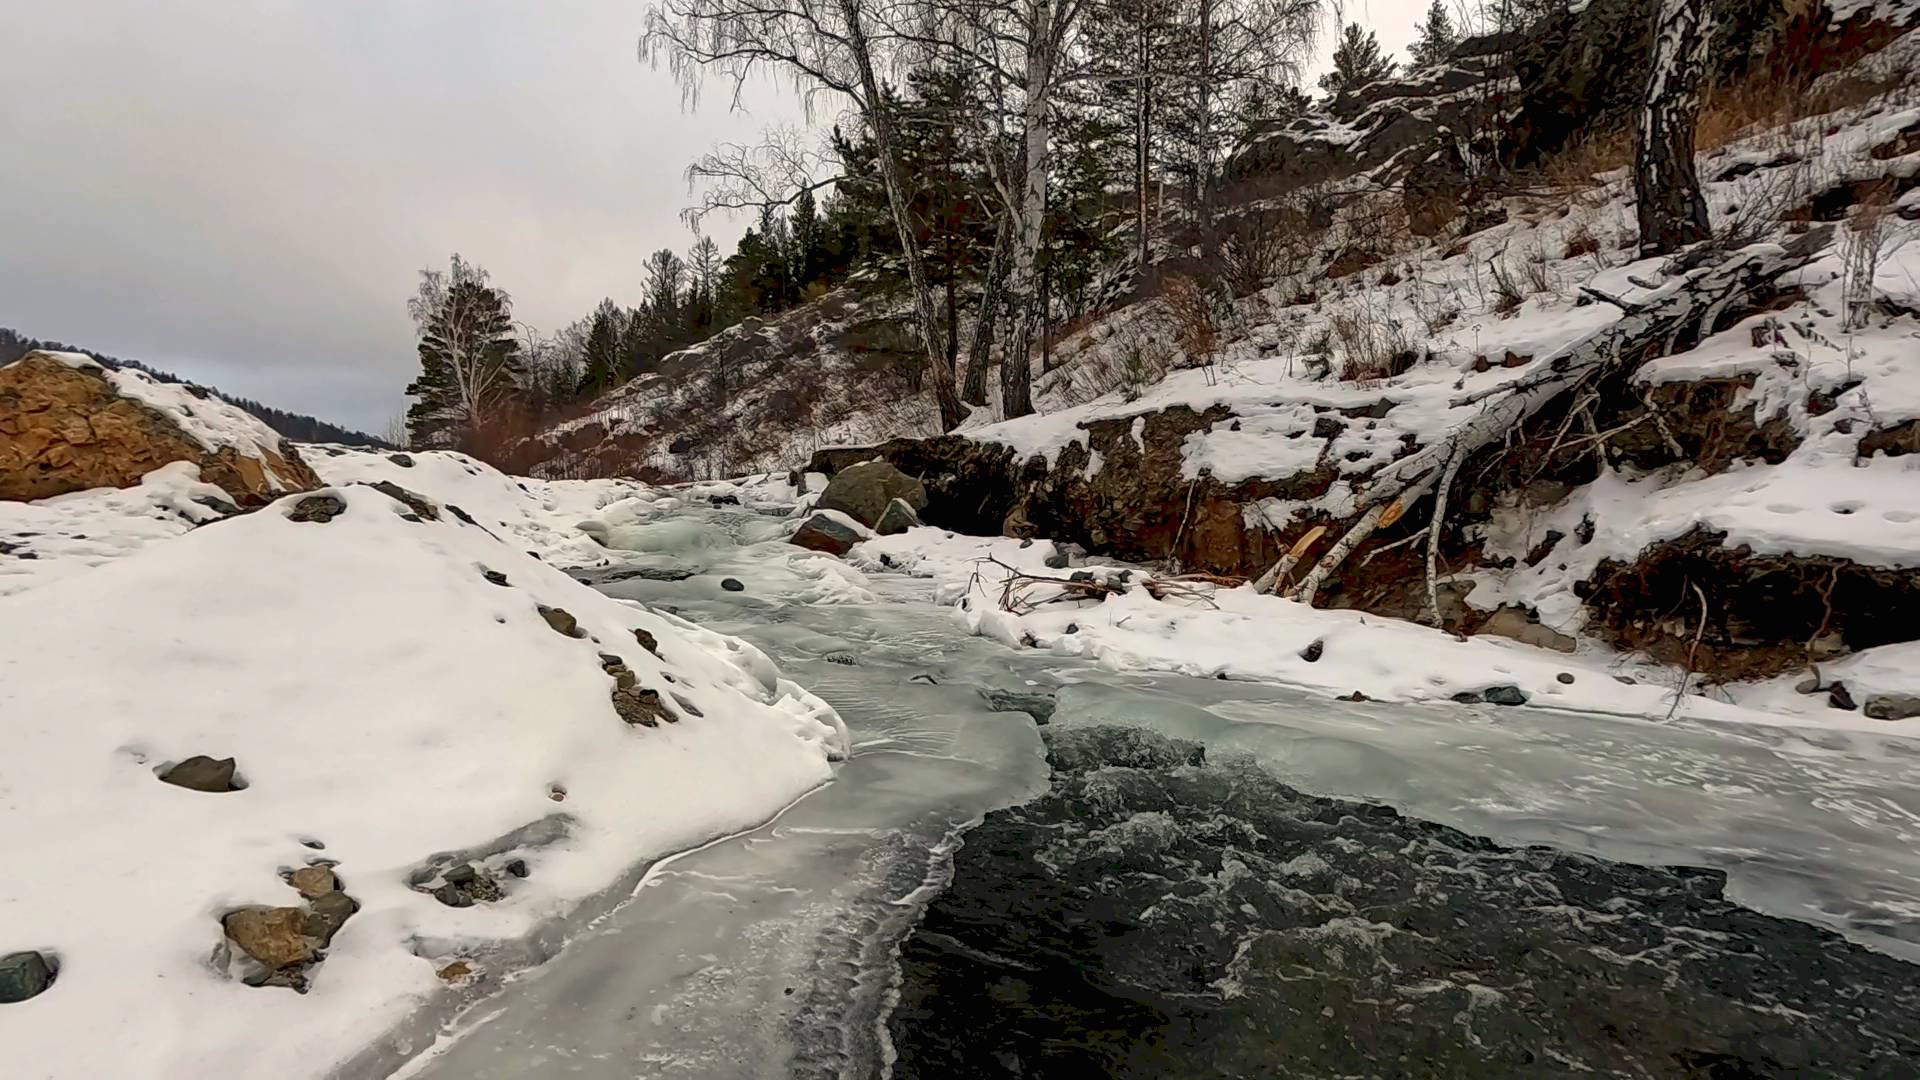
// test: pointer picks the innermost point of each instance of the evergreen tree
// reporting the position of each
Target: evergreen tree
(1356, 62)
(471, 367)
(805, 229)
(638, 350)
(1434, 38)
(602, 364)
(703, 270)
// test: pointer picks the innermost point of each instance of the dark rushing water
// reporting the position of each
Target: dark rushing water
(1158, 916)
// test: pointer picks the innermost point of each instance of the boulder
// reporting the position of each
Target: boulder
(823, 532)
(23, 975)
(66, 425)
(898, 517)
(864, 491)
(277, 937)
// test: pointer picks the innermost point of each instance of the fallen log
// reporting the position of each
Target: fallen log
(1651, 326)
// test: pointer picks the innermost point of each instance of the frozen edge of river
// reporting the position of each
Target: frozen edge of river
(402, 1050)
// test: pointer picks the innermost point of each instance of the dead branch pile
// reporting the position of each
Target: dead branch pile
(1686, 306)
(1022, 593)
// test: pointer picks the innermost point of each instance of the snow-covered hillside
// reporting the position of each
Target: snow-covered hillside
(475, 747)
(1768, 456)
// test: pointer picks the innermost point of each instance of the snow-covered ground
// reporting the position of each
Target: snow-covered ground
(1850, 341)
(1235, 633)
(390, 691)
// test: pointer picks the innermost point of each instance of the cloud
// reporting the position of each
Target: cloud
(245, 194)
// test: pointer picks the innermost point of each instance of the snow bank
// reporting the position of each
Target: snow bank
(543, 514)
(1238, 634)
(54, 538)
(382, 697)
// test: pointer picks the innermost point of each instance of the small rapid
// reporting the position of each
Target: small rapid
(779, 952)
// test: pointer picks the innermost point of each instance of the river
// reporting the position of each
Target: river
(1211, 884)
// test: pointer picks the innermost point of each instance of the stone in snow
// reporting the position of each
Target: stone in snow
(313, 881)
(201, 773)
(329, 913)
(562, 621)
(318, 508)
(1893, 706)
(277, 937)
(23, 975)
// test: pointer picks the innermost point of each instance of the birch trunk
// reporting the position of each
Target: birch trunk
(992, 298)
(899, 203)
(1672, 212)
(1016, 394)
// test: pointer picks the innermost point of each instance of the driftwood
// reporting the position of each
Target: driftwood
(1650, 326)
(1023, 593)
(1276, 575)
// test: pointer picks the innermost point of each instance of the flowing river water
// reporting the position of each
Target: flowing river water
(1185, 877)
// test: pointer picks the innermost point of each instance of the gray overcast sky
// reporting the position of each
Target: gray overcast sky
(244, 193)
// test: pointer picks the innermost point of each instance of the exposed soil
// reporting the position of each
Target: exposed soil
(1765, 614)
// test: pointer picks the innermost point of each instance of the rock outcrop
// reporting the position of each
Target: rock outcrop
(67, 424)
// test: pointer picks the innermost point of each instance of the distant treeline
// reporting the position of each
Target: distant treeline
(296, 426)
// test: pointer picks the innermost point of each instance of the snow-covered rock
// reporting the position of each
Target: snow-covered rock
(70, 424)
(390, 690)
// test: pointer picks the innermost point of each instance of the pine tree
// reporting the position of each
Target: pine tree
(1433, 39)
(602, 366)
(638, 350)
(804, 259)
(1356, 62)
(703, 267)
(471, 367)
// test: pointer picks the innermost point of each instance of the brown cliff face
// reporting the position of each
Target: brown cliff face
(65, 428)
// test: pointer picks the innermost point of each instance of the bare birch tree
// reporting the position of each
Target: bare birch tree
(835, 47)
(470, 360)
(1672, 211)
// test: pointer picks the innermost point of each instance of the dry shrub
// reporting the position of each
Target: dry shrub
(1128, 360)
(1764, 100)
(1582, 241)
(1508, 294)
(1370, 348)
(1429, 212)
(1194, 327)
(1871, 234)
(1578, 166)
(1273, 241)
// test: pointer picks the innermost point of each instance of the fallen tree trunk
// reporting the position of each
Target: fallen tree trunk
(1650, 326)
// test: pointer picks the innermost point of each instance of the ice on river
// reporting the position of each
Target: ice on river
(771, 953)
